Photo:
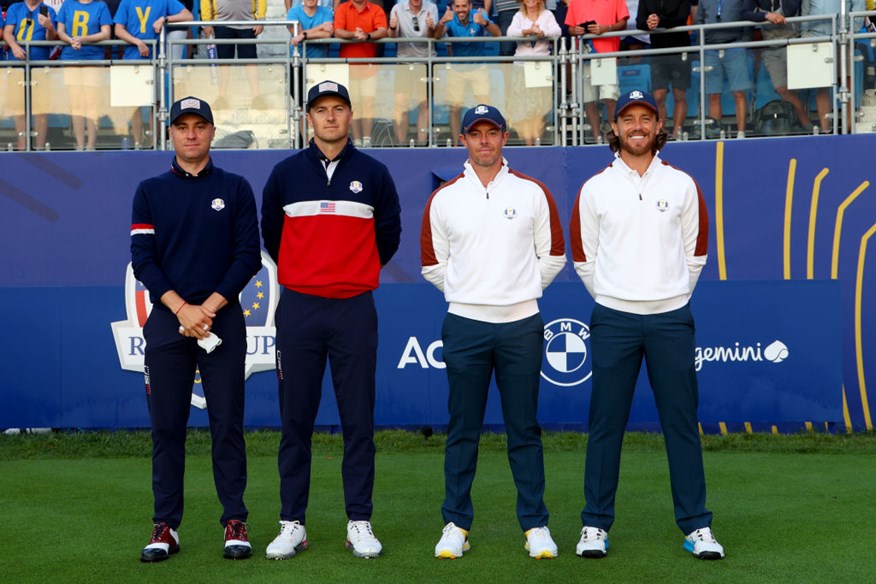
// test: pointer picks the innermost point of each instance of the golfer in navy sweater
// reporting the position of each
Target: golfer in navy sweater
(331, 220)
(195, 245)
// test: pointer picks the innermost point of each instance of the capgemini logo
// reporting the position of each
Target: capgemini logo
(776, 352)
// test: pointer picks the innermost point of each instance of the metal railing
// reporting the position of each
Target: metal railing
(259, 102)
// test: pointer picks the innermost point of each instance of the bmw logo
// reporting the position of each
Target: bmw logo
(565, 352)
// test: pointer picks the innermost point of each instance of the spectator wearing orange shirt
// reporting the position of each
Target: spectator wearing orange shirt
(591, 17)
(361, 21)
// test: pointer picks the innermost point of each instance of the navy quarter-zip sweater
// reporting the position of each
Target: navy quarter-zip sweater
(195, 234)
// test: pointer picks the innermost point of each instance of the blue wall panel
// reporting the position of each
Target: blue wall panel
(785, 215)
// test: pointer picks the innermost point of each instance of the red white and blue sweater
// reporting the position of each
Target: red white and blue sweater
(330, 236)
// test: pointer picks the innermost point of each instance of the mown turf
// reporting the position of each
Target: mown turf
(787, 508)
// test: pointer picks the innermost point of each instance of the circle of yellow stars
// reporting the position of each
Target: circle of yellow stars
(255, 305)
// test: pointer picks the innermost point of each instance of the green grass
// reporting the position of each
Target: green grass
(787, 509)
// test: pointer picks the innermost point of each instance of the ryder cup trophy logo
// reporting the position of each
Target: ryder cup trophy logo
(258, 300)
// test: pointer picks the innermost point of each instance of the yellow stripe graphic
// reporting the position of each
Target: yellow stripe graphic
(789, 200)
(847, 417)
(859, 348)
(748, 428)
(813, 213)
(838, 227)
(723, 428)
(719, 210)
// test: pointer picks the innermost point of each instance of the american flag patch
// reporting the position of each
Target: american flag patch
(327, 207)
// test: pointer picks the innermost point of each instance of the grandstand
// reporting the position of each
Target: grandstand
(844, 62)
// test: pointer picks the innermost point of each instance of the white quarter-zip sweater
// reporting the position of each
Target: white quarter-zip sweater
(639, 243)
(492, 249)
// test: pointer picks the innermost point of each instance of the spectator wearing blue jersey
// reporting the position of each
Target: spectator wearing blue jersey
(29, 21)
(138, 21)
(459, 22)
(315, 21)
(81, 24)
(330, 4)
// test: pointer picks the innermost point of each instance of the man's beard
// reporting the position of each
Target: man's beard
(637, 150)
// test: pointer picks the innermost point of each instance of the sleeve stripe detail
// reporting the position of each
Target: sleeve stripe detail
(142, 229)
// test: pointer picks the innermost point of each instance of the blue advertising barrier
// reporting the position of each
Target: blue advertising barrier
(783, 314)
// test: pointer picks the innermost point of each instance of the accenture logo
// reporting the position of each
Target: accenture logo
(258, 301)
(566, 350)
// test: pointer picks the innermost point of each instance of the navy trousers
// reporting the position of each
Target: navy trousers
(171, 360)
(473, 351)
(311, 330)
(618, 342)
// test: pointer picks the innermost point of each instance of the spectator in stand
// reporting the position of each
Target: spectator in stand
(412, 19)
(361, 21)
(505, 11)
(596, 18)
(822, 28)
(668, 70)
(634, 42)
(224, 10)
(528, 110)
(81, 24)
(330, 4)
(731, 64)
(775, 59)
(137, 21)
(28, 21)
(461, 22)
(315, 21)
(176, 34)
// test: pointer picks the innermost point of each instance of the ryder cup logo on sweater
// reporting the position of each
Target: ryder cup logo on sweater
(510, 213)
(258, 300)
(662, 205)
(356, 187)
(217, 204)
(565, 360)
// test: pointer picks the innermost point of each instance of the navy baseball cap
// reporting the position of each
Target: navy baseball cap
(326, 88)
(635, 97)
(483, 113)
(191, 105)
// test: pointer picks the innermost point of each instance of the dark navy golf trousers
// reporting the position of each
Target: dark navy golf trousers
(171, 360)
(311, 330)
(473, 351)
(618, 342)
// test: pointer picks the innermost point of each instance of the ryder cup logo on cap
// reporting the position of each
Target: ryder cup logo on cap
(191, 105)
(327, 88)
(483, 113)
(635, 97)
